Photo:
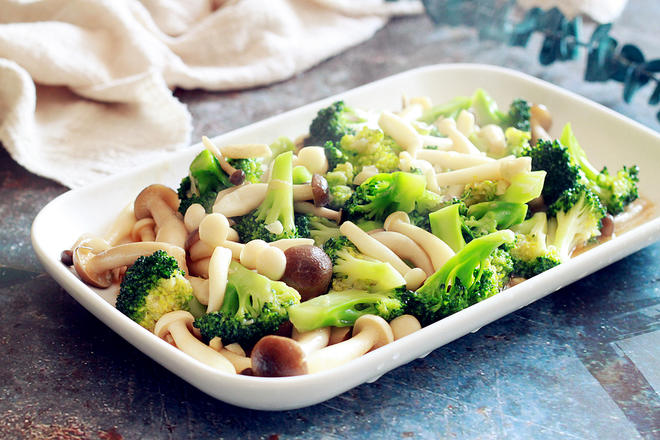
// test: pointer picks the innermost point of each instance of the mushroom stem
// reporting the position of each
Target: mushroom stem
(460, 142)
(122, 226)
(242, 200)
(372, 247)
(452, 160)
(405, 248)
(218, 272)
(236, 357)
(312, 340)
(437, 250)
(161, 203)
(308, 208)
(179, 325)
(501, 169)
(369, 333)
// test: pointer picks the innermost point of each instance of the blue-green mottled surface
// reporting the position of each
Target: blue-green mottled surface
(583, 363)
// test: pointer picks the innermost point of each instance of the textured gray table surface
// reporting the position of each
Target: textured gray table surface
(583, 363)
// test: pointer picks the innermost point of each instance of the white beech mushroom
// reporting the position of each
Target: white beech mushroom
(161, 203)
(401, 131)
(465, 122)
(277, 356)
(339, 334)
(179, 325)
(441, 143)
(500, 169)
(437, 250)
(367, 172)
(246, 151)
(193, 216)
(405, 248)
(271, 263)
(453, 160)
(459, 141)
(309, 208)
(493, 136)
(95, 266)
(404, 325)
(241, 201)
(218, 272)
(371, 247)
(214, 230)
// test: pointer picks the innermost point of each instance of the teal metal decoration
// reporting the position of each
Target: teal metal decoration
(562, 41)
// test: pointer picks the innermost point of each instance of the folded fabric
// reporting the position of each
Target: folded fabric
(86, 85)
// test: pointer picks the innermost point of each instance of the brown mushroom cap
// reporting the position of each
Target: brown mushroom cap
(308, 270)
(320, 190)
(277, 356)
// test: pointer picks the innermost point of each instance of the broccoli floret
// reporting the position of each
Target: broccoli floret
(516, 141)
(153, 286)
(339, 195)
(382, 194)
(370, 147)
(530, 252)
(614, 191)
(518, 115)
(332, 123)
(449, 109)
(555, 159)
(253, 306)
(253, 168)
(488, 217)
(478, 192)
(474, 273)
(354, 270)
(205, 179)
(274, 219)
(322, 230)
(282, 145)
(447, 224)
(301, 175)
(487, 112)
(343, 308)
(575, 219)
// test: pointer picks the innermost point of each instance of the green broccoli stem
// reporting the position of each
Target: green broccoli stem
(446, 225)
(278, 204)
(569, 140)
(343, 308)
(207, 174)
(524, 187)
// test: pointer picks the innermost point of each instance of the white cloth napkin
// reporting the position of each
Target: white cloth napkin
(86, 85)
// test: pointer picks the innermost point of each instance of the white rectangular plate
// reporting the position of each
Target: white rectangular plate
(608, 138)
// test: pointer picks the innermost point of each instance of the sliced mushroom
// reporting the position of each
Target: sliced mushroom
(437, 250)
(95, 266)
(161, 203)
(179, 325)
(277, 356)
